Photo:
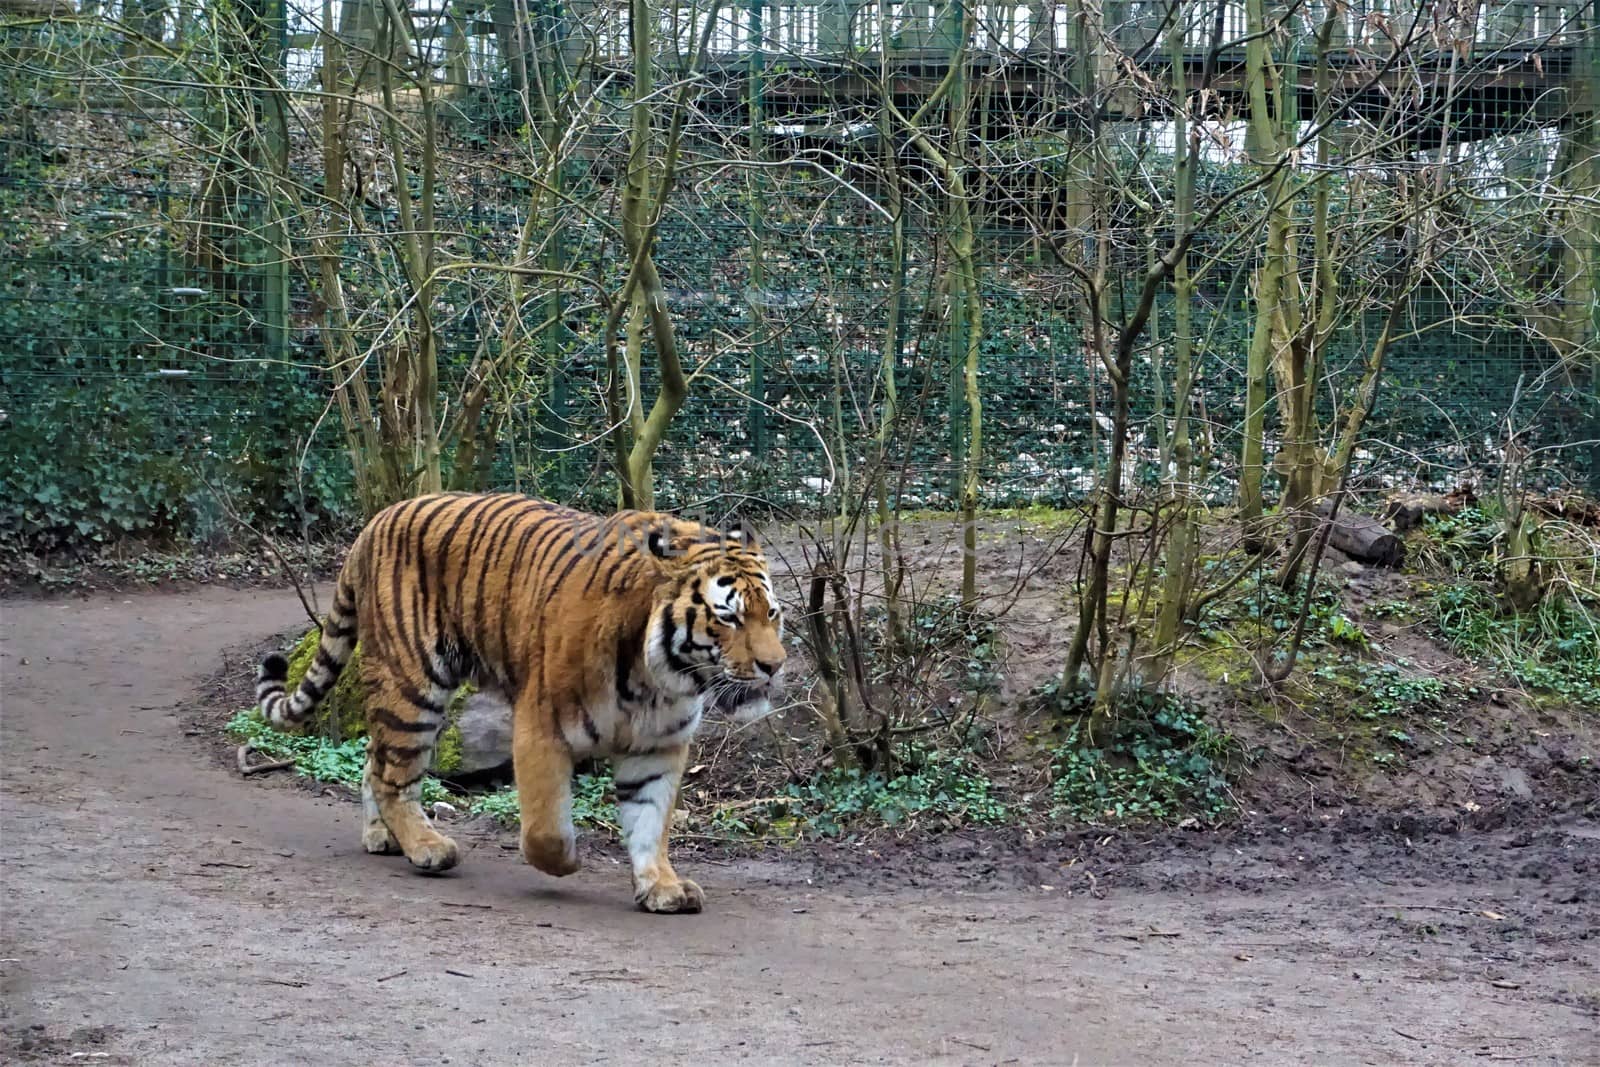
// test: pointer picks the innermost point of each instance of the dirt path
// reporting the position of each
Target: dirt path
(158, 909)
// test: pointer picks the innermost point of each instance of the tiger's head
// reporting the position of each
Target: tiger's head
(716, 626)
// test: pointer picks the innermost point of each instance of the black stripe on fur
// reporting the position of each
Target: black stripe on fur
(275, 668)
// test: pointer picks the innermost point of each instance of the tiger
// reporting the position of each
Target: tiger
(609, 637)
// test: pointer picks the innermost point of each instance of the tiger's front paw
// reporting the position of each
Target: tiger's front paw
(376, 838)
(554, 854)
(434, 853)
(670, 897)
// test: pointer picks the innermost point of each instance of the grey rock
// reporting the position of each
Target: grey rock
(485, 727)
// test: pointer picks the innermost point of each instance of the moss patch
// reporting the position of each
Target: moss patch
(447, 752)
(342, 715)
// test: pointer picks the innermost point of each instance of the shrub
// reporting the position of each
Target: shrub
(1163, 762)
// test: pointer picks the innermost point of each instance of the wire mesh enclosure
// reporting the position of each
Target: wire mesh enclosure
(174, 357)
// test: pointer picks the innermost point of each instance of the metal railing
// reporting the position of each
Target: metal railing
(462, 43)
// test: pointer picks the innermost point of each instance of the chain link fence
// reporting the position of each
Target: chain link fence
(154, 385)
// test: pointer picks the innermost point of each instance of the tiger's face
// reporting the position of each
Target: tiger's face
(718, 626)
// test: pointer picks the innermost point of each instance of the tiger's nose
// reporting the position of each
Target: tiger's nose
(769, 669)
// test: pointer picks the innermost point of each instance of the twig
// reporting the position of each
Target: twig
(620, 974)
(459, 904)
(284, 981)
(1402, 1033)
(750, 802)
(1100, 952)
(271, 546)
(224, 863)
(1425, 907)
(247, 769)
(386, 977)
(458, 974)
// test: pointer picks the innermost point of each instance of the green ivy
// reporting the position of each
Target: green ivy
(317, 757)
(1384, 690)
(1258, 604)
(592, 803)
(946, 787)
(1554, 648)
(343, 762)
(1162, 763)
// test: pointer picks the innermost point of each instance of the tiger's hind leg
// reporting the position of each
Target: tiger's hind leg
(375, 835)
(403, 722)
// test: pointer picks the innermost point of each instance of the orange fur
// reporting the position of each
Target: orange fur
(608, 636)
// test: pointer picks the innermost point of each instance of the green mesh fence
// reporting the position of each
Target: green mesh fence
(150, 389)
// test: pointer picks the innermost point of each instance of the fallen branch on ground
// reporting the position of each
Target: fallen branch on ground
(246, 768)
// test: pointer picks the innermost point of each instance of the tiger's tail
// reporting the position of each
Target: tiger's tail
(282, 708)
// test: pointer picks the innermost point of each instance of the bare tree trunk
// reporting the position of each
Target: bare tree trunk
(1366, 397)
(644, 295)
(888, 560)
(963, 276)
(376, 484)
(1088, 210)
(1573, 327)
(966, 267)
(834, 692)
(1303, 457)
(1180, 495)
(966, 298)
(420, 383)
(1264, 133)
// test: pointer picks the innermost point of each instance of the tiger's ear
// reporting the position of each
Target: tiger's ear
(667, 542)
(739, 531)
(659, 542)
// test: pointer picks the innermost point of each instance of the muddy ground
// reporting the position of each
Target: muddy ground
(161, 909)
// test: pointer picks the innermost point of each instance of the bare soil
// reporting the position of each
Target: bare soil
(161, 909)
(1309, 748)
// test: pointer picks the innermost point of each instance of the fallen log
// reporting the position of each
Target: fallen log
(1363, 537)
(1572, 507)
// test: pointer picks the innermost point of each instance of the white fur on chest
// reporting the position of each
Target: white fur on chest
(652, 720)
